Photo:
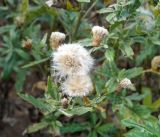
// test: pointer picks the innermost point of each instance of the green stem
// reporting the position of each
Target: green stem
(81, 16)
(62, 22)
(90, 8)
(75, 30)
(151, 71)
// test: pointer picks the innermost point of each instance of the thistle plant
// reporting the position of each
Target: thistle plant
(99, 86)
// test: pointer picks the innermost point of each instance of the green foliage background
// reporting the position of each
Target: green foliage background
(133, 40)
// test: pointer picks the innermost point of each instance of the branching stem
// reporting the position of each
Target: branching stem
(151, 71)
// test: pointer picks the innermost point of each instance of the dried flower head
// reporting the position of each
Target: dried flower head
(49, 3)
(147, 18)
(56, 39)
(19, 20)
(98, 34)
(64, 102)
(77, 85)
(125, 83)
(156, 63)
(71, 59)
(27, 44)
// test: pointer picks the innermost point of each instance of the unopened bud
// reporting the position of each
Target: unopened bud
(98, 34)
(56, 39)
(155, 64)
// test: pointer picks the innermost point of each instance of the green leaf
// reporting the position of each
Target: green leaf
(92, 134)
(106, 10)
(21, 75)
(36, 127)
(93, 118)
(156, 42)
(39, 11)
(110, 18)
(131, 123)
(130, 73)
(111, 85)
(35, 63)
(37, 103)
(134, 72)
(137, 133)
(44, 39)
(23, 8)
(8, 68)
(52, 89)
(141, 111)
(73, 127)
(80, 110)
(110, 54)
(66, 113)
(105, 127)
(83, 0)
(6, 28)
(126, 50)
(75, 111)
(135, 112)
(147, 52)
(147, 101)
(106, 130)
(156, 105)
(136, 97)
(22, 54)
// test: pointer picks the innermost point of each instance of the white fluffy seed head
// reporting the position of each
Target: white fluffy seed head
(71, 59)
(125, 83)
(56, 39)
(77, 85)
(98, 34)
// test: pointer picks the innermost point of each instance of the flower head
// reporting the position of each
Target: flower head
(77, 85)
(27, 44)
(56, 39)
(71, 59)
(125, 83)
(98, 34)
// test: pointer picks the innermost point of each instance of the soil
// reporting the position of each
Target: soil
(15, 114)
